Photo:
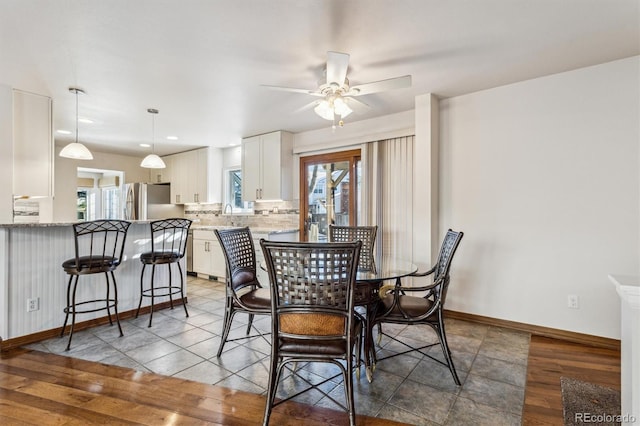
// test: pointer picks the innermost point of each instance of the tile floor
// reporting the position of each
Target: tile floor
(490, 361)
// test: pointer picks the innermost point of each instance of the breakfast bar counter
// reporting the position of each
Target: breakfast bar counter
(31, 257)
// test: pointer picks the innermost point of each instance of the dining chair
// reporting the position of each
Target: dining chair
(366, 234)
(244, 293)
(168, 247)
(396, 306)
(99, 246)
(312, 308)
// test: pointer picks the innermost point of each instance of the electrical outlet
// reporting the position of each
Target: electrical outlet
(33, 304)
(572, 301)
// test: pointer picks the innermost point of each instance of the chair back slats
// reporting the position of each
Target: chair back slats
(169, 236)
(366, 234)
(240, 257)
(99, 245)
(443, 266)
(312, 287)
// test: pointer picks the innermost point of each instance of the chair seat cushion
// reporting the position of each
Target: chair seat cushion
(258, 299)
(90, 264)
(160, 257)
(411, 306)
(332, 347)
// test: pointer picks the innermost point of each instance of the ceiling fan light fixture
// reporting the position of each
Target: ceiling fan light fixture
(340, 107)
(152, 161)
(76, 150)
(324, 109)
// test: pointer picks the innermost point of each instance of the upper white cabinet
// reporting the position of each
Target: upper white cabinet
(32, 145)
(267, 167)
(162, 175)
(196, 176)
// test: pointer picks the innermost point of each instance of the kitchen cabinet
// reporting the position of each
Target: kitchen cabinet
(263, 276)
(196, 176)
(162, 175)
(208, 258)
(32, 145)
(267, 167)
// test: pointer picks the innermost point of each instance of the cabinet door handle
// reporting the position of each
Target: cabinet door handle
(257, 197)
(196, 198)
(206, 246)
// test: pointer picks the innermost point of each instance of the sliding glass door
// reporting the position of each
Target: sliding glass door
(329, 192)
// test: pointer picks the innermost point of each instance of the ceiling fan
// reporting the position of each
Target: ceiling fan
(337, 97)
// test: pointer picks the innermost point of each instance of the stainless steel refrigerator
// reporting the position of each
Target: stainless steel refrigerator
(146, 201)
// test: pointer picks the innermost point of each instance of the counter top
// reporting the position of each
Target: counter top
(255, 230)
(51, 224)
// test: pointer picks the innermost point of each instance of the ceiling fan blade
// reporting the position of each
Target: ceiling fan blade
(357, 105)
(337, 64)
(292, 89)
(381, 86)
(306, 107)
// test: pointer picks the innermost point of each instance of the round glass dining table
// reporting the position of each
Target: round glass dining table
(368, 282)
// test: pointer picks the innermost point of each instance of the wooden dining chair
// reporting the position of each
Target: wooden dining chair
(397, 306)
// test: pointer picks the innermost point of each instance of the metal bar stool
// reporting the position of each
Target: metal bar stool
(99, 246)
(168, 246)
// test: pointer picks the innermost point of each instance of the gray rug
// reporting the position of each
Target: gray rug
(586, 403)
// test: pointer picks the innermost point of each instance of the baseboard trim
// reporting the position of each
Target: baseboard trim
(569, 336)
(8, 344)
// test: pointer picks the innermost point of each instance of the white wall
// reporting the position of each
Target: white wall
(66, 172)
(542, 176)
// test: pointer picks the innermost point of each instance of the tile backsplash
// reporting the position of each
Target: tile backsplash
(272, 214)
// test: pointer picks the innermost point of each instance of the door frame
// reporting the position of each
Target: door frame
(352, 156)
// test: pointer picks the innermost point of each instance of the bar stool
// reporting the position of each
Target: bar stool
(99, 245)
(168, 246)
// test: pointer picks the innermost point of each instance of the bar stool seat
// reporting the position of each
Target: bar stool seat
(99, 246)
(168, 247)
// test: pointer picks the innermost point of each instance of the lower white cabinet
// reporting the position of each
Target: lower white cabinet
(208, 258)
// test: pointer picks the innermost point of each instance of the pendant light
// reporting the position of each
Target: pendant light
(76, 150)
(152, 161)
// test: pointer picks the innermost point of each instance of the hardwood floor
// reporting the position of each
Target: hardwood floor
(549, 359)
(39, 388)
(47, 389)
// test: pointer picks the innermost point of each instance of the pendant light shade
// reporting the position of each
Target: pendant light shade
(152, 161)
(76, 150)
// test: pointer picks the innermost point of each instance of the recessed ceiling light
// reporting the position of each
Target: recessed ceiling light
(85, 120)
(64, 132)
(172, 138)
(145, 145)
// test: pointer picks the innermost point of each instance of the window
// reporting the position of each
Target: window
(233, 193)
(111, 203)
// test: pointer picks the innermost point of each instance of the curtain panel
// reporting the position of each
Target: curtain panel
(388, 195)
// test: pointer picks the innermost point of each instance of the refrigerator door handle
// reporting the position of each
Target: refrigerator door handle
(130, 204)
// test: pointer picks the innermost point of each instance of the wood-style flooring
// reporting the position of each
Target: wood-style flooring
(550, 359)
(47, 389)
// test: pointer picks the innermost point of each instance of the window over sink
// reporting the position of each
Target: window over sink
(233, 194)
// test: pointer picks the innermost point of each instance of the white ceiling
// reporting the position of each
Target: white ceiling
(202, 63)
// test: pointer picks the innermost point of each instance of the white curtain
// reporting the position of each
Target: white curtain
(388, 194)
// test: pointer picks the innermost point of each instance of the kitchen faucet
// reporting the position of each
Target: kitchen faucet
(225, 208)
